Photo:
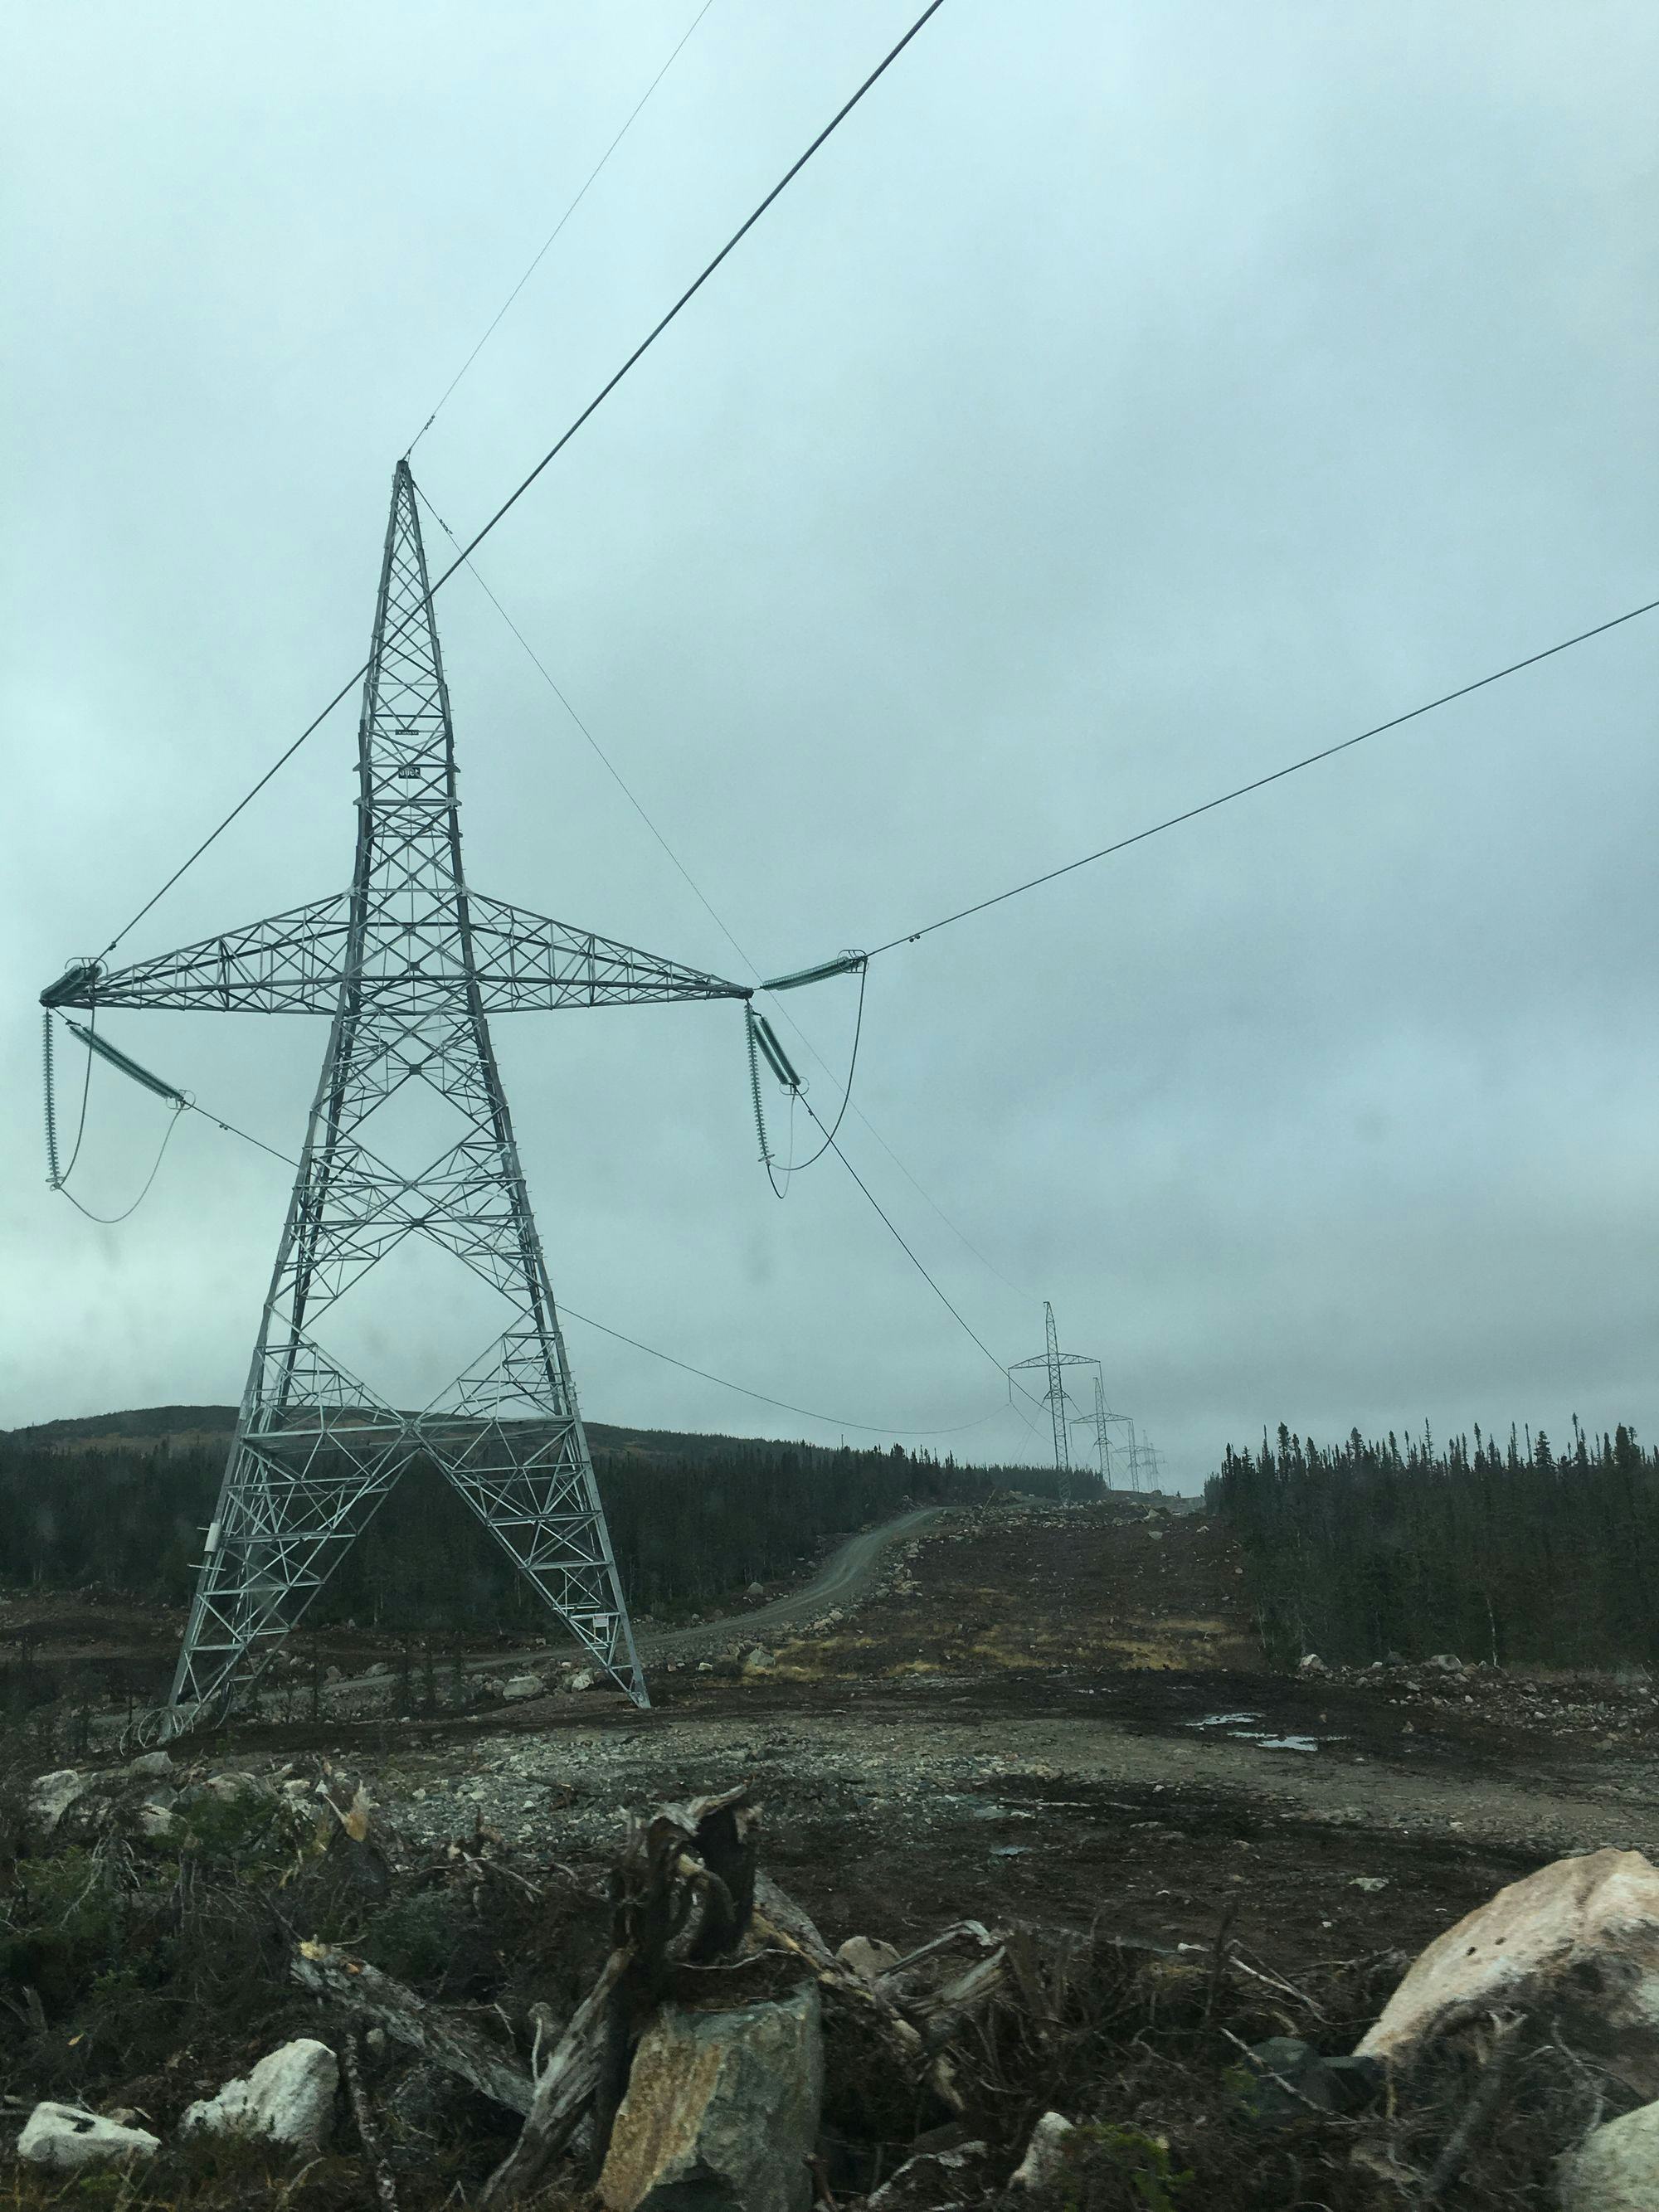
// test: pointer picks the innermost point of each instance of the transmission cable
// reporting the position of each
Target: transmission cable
(714, 916)
(547, 242)
(553, 451)
(831, 1145)
(870, 1428)
(1328, 752)
(830, 1421)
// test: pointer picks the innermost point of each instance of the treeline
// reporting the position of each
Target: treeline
(690, 1524)
(1511, 1551)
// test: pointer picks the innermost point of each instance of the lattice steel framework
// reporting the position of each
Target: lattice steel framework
(1099, 1423)
(409, 963)
(1056, 1362)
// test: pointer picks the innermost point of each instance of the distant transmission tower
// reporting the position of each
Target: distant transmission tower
(410, 963)
(1099, 1423)
(1056, 1361)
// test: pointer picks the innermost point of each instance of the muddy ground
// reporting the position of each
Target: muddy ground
(1052, 1715)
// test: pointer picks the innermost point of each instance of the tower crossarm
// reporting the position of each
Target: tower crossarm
(526, 963)
(287, 964)
(412, 955)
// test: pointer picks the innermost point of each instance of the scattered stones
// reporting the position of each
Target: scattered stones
(1616, 2168)
(286, 2099)
(1045, 2155)
(721, 2111)
(64, 2135)
(1581, 1936)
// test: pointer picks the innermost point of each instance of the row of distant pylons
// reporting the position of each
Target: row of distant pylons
(1133, 1463)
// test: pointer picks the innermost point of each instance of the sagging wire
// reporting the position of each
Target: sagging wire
(762, 1043)
(56, 1174)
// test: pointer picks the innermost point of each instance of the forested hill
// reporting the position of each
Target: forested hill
(175, 1428)
(121, 1500)
(1510, 1551)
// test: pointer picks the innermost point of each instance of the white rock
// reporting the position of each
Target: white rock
(286, 2099)
(868, 1956)
(517, 1686)
(581, 1681)
(1580, 1937)
(50, 1798)
(1045, 2154)
(151, 1766)
(64, 2135)
(1446, 1662)
(1616, 2168)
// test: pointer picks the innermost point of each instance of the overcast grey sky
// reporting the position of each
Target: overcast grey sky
(1129, 400)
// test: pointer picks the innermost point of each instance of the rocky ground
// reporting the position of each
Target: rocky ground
(1029, 1716)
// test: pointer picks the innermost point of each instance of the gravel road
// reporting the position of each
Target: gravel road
(843, 1579)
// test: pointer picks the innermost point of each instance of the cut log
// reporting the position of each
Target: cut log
(329, 1971)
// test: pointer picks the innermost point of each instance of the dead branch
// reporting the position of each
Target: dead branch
(1476, 2114)
(329, 1971)
(385, 2188)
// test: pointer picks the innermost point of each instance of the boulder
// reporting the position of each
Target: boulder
(581, 1680)
(1045, 2155)
(50, 1797)
(64, 2135)
(867, 1956)
(760, 1660)
(1446, 1662)
(756, 1589)
(1616, 2167)
(518, 1687)
(721, 2111)
(1580, 1937)
(286, 2099)
(151, 1767)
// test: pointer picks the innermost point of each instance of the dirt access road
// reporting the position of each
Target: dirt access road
(842, 1581)
(1055, 1716)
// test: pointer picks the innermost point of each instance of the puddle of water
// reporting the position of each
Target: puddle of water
(1246, 1727)
(1011, 1850)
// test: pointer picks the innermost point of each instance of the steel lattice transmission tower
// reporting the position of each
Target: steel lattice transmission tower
(1098, 1423)
(1056, 1362)
(410, 963)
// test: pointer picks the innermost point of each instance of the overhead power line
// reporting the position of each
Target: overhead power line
(869, 1428)
(830, 1421)
(546, 244)
(703, 900)
(1277, 776)
(599, 399)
